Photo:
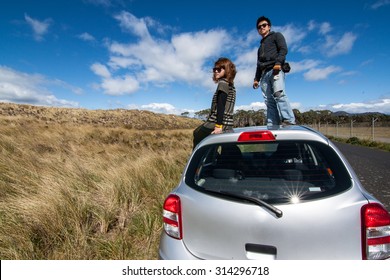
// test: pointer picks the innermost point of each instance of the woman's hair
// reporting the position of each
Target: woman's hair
(230, 69)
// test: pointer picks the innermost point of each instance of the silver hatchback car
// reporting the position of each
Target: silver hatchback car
(272, 193)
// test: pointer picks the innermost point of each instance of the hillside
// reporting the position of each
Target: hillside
(130, 119)
(86, 184)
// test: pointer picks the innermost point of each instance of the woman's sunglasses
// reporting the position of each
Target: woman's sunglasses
(218, 69)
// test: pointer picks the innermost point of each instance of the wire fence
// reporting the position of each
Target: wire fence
(374, 131)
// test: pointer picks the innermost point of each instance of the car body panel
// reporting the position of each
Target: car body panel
(173, 249)
(219, 226)
(213, 227)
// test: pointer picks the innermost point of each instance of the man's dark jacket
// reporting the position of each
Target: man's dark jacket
(272, 50)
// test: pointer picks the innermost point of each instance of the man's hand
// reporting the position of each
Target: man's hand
(255, 84)
(276, 69)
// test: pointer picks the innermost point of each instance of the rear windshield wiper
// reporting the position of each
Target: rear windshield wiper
(278, 213)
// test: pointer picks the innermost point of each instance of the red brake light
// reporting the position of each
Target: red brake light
(262, 135)
(375, 232)
(172, 216)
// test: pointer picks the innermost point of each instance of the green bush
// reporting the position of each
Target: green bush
(360, 142)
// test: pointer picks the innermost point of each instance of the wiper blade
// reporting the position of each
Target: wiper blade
(278, 213)
(258, 201)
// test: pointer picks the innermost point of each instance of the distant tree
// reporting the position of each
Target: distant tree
(310, 117)
(325, 116)
(249, 118)
(298, 116)
(202, 114)
(239, 118)
(259, 117)
(313, 117)
(185, 114)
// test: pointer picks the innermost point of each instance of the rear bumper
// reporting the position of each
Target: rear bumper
(173, 249)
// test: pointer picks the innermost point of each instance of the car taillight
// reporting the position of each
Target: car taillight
(172, 216)
(375, 232)
(261, 135)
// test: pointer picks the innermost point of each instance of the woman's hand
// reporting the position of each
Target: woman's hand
(217, 130)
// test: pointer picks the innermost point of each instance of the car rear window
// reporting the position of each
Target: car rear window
(276, 172)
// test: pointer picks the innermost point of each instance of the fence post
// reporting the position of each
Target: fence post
(350, 133)
(373, 125)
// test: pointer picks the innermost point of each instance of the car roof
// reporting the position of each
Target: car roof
(291, 132)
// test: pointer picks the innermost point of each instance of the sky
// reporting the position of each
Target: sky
(158, 55)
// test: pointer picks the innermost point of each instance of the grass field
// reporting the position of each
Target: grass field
(85, 192)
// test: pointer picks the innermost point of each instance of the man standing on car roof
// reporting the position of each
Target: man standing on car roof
(270, 74)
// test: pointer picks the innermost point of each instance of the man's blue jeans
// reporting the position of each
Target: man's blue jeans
(276, 100)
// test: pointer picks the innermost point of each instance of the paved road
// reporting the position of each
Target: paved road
(372, 168)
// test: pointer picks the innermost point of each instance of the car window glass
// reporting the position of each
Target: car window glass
(283, 172)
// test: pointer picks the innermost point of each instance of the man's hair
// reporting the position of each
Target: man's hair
(263, 18)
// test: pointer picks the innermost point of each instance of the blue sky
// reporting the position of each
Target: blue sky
(158, 55)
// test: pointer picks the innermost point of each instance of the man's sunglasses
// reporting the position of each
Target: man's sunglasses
(264, 25)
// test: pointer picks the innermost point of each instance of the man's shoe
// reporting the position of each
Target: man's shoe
(285, 123)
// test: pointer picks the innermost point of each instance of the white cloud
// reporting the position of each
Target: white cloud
(133, 24)
(114, 85)
(253, 106)
(166, 107)
(40, 28)
(18, 87)
(325, 28)
(379, 4)
(86, 37)
(311, 25)
(367, 62)
(100, 70)
(105, 3)
(337, 46)
(163, 108)
(245, 76)
(316, 74)
(119, 62)
(183, 58)
(296, 105)
(328, 43)
(292, 33)
(304, 65)
(200, 45)
(380, 105)
(247, 57)
(261, 106)
(119, 85)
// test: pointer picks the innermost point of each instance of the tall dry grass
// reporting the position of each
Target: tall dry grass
(84, 192)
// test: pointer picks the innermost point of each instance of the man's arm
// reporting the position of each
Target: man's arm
(282, 49)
